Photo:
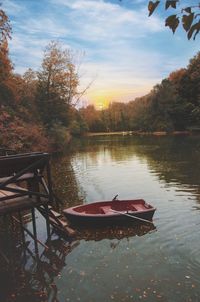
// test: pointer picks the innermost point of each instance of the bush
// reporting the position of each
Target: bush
(21, 136)
(60, 137)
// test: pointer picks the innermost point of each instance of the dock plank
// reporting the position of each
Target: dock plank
(20, 203)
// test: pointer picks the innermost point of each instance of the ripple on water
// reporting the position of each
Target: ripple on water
(193, 264)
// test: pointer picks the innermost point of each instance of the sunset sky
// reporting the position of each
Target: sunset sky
(125, 52)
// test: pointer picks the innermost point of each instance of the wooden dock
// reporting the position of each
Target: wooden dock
(10, 202)
(25, 184)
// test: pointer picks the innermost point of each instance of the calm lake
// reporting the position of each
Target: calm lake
(159, 263)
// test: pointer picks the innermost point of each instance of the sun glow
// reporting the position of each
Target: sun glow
(101, 104)
(101, 98)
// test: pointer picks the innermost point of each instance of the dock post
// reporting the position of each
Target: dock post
(47, 222)
(22, 230)
(49, 183)
(34, 230)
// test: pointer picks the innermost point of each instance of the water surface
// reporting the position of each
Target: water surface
(143, 264)
(163, 264)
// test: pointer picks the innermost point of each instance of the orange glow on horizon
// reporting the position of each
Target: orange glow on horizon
(101, 104)
(102, 98)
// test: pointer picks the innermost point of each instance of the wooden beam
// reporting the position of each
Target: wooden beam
(23, 171)
(34, 230)
(47, 222)
(31, 235)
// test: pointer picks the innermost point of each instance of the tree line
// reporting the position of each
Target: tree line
(38, 109)
(172, 105)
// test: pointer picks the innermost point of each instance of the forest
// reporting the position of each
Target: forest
(172, 105)
(39, 108)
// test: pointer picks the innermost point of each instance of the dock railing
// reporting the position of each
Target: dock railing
(26, 167)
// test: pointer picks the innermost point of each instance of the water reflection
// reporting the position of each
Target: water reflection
(131, 264)
(174, 160)
(165, 172)
(64, 181)
(117, 232)
(29, 276)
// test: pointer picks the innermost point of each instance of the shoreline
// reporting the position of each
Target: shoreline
(138, 133)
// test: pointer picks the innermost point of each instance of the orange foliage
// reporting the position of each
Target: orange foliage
(177, 75)
(19, 135)
(90, 114)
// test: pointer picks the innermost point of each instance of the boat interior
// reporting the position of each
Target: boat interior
(112, 207)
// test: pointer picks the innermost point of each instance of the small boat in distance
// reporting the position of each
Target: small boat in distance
(111, 212)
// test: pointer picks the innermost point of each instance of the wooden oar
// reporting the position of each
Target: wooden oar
(132, 216)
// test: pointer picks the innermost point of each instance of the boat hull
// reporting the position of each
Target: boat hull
(110, 213)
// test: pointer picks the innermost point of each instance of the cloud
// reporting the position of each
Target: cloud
(126, 52)
(12, 8)
(99, 20)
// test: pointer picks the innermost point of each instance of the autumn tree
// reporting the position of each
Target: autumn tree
(139, 114)
(57, 85)
(26, 89)
(190, 89)
(117, 116)
(5, 35)
(78, 125)
(92, 117)
(176, 76)
(187, 15)
(5, 27)
(6, 92)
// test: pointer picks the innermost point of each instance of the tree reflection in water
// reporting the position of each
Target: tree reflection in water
(30, 277)
(117, 232)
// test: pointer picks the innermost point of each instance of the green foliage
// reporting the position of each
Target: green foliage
(75, 128)
(78, 127)
(60, 136)
(188, 16)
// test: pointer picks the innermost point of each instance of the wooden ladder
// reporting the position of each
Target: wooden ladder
(57, 221)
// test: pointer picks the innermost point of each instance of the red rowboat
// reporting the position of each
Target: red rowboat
(110, 212)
